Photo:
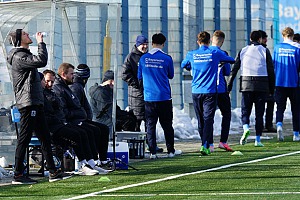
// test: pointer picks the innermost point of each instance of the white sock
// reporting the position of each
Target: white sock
(98, 162)
(92, 163)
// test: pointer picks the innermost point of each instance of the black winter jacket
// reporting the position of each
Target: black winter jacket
(72, 109)
(101, 103)
(135, 90)
(254, 83)
(26, 80)
(78, 89)
(53, 112)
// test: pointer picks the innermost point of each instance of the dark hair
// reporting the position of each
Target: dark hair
(64, 67)
(48, 71)
(15, 38)
(263, 34)
(296, 37)
(203, 37)
(158, 38)
(254, 36)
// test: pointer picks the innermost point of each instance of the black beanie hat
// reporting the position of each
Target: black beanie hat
(83, 71)
(18, 38)
(108, 75)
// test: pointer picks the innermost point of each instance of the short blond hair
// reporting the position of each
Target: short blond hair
(288, 32)
(219, 34)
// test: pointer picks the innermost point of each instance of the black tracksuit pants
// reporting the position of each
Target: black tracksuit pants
(33, 119)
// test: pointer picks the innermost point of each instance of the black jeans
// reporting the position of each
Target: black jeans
(101, 135)
(205, 108)
(269, 111)
(281, 95)
(162, 111)
(224, 105)
(258, 98)
(33, 119)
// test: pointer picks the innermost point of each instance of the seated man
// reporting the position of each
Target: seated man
(75, 113)
(65, 134)
(102, 101)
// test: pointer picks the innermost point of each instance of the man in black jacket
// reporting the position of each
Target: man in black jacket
(75, 113)
(81, 76)
(102, 101)
(30, 102)
(256, 82)
(65, 134)
(136, 101)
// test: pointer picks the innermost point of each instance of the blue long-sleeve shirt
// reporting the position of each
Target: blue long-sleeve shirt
(204, 65)
(155, 69)
(223, 70)
(286, 59)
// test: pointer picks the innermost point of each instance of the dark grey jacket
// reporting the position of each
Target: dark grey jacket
(101, 103)
(26, 80)
(78, 89)
(74, 112)
(135, 91)
(254, 83)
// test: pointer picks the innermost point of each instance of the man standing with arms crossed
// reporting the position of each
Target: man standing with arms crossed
(155, 69)
(30, 102)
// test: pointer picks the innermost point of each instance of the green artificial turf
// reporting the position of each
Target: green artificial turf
(277, 178)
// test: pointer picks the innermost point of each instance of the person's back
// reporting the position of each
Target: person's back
(203, 63)
(101, 103)
(158, 69)
(286, 63)
(155, 70)
(286, 59)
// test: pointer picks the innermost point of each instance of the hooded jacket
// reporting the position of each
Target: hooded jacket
(26, 80)
(72, 109)
(135, 91)
(78, 89)
(101, 103)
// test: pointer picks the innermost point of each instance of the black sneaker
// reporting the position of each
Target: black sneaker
(18, 180)
(58, 175)
(159, 150)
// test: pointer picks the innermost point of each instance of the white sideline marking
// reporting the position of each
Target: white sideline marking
(200, 194)
(180, 175)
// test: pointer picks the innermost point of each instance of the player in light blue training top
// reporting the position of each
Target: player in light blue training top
(286, 59)
(204, 65)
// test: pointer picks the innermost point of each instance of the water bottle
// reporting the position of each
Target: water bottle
(77, 165)
(44, 34)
